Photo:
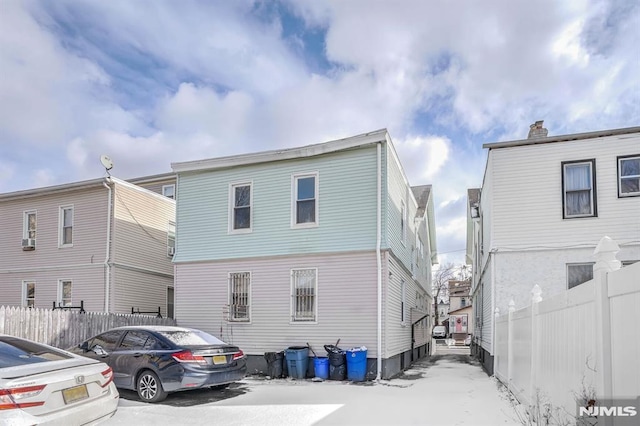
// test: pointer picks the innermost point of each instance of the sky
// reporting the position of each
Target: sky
(149, 83)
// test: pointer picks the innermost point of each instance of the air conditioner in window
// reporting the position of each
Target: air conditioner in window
(171, 251)
(28, 244)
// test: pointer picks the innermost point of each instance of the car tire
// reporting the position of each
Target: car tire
(149, 387)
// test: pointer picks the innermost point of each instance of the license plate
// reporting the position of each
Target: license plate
(220, 359)
(74, 394)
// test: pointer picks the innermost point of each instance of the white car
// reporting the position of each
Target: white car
(439, 331)
(42, 384)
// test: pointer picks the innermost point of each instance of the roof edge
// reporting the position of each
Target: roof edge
(562, 138)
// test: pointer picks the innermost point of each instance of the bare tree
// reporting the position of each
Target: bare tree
(440, 285)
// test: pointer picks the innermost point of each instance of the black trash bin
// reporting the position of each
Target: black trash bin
(274, 364)
(337, 362)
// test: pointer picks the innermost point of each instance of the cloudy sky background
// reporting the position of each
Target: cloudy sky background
(155, 82)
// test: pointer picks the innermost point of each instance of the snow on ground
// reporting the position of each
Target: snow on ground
(442, 390)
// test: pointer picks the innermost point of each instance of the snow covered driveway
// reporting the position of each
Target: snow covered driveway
(442, 390)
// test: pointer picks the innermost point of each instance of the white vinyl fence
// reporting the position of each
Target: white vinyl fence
(63, 328)
(584, 342)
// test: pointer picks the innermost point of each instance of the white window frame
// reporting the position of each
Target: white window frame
(233, 318)
(61, 227)
(590, 264)
(171, 187)
(61, 292)
(232, 205)
(171, 238)
(25, 299)
(294, 199)
(592, 189)
(620, 177)
(304, 320)
(25, 226)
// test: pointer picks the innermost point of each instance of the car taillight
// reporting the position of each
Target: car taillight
(108, 375)
(188, 356)
(238, 355)
(10, 398)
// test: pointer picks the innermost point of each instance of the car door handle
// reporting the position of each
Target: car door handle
(137, 354)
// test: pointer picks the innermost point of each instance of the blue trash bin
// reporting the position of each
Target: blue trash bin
(321, 367)
(297, 361)
(357, 364)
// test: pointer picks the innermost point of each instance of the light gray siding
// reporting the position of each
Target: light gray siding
(82, 261)
(347, 298)
(141, 290)
(346, 198)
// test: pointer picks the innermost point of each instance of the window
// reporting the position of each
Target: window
(579, 187)
(137, 341)
(578, 273)
(171, 239)
(106, 341)
(305, 200)
(64, 293)
(403, 291)
(304, 285)
(240, 212)
(169, 191)
(66, 225)
(403, 222)
(29, 225)
(29, 294)
(629, 176)
(463, 302)
(239, 292)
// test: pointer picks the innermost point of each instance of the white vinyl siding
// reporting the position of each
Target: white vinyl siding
(304, 200)
(403, 223)
(65, 292)
(171, 239)
(403, 301)
(629, 176)
(66, 226)
(29, 294)
(30, 224)
(579, 188)
(304, 294)
(239, 296)
(240, 207)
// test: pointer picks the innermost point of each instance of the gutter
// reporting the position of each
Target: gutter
(378, 259)
(107, 268)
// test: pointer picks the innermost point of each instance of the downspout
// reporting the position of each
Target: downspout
(379, 260)
(107, 276)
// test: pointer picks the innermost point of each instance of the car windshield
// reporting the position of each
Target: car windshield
(190, 337)
(14, 352)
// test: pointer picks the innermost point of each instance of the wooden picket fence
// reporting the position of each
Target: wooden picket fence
(64, 329)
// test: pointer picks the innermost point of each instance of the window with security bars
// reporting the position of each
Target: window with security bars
(304, 286)
(239, 290)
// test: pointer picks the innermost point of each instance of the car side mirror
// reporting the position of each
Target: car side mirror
(84, 346)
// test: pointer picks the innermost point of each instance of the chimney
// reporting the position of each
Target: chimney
(537, 131)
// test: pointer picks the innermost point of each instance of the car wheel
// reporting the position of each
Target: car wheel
(149, 387)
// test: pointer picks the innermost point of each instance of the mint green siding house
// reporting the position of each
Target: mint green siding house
(307, 245)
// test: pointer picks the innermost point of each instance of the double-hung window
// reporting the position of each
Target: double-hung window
(579, 188)
(240, 212)
(66, 225)
(30, 222)
(169, 191)
(29, 294)
(304, 286)
(629, 176)
(304, 209)
(64, 292)
(239, 296)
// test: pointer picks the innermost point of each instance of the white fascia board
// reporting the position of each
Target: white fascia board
(281, 154)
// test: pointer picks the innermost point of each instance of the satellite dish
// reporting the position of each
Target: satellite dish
(106, 162)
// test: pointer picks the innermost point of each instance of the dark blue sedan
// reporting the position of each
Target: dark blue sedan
(157, 360)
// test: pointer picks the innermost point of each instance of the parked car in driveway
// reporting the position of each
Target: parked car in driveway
(42, 384)
(157, 360)
(439, 331)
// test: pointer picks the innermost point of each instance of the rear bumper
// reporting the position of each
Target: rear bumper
(193, 379)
